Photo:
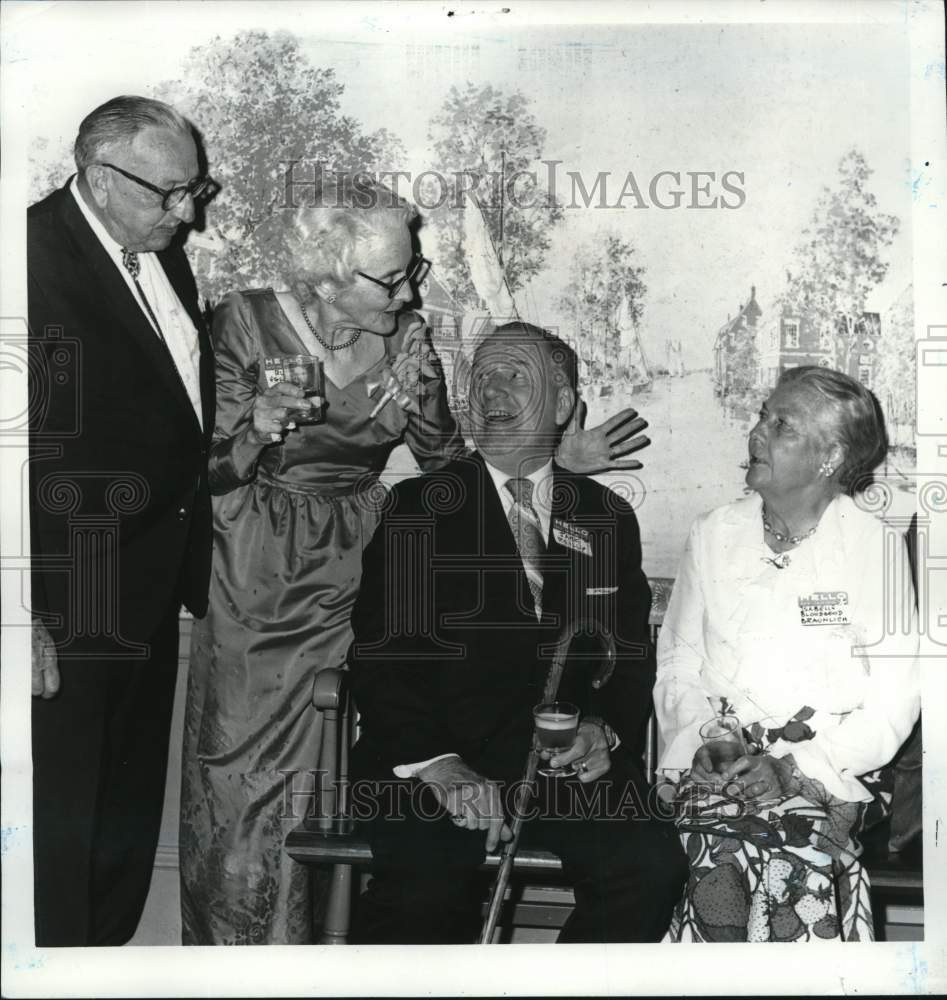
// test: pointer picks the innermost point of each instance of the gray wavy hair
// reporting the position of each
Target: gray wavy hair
(320, 237)
(118, 121)
(857, 417)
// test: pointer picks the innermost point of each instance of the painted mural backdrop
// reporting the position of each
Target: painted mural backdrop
(269, 115)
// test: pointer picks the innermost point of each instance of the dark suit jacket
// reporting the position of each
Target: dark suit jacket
(114, 438)
(448, 654)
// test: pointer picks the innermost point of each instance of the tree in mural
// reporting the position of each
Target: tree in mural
(605, 298)
(895, 376)
(839, 261)
(48, 170)
(260, 106)
(489, 142)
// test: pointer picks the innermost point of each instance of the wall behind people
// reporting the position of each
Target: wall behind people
(276, 107)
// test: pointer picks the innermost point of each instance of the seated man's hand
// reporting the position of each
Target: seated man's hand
(605, 446)
(472, 800)
(589, 756)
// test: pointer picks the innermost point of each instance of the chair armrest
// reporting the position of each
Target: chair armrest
(328, 689)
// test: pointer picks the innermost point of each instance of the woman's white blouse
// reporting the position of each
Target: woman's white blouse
(739, 627)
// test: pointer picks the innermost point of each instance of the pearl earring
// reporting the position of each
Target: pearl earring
(330, 298)
(826, 469)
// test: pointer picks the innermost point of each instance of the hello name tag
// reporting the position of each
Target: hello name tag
(571, 536)
(824, 607)
(275, 372)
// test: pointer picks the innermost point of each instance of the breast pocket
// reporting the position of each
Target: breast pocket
(600, 591)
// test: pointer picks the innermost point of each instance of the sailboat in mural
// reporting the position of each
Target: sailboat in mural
(486, 265)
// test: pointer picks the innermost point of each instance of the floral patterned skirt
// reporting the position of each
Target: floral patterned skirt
(780, 870)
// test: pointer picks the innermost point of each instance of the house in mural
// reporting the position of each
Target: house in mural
(445, 317)
(793, 339)
(735, 350)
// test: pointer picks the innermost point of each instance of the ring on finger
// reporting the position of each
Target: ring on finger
(582, 766)
(458, 820)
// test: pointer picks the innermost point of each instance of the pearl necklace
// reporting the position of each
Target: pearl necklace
(315, 333)
(792, 539)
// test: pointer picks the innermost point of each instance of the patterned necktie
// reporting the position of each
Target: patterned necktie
(524, 523)
(132, 264)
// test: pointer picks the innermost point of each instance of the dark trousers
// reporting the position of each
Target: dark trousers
(100, 753)
(627, 869)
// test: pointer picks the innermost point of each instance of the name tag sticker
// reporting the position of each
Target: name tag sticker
(273, 369)
(571, 536)
(824, 607)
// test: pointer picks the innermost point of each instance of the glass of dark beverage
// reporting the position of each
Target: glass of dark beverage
(723, 737)
(556, 724)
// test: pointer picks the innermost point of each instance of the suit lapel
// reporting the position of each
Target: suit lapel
(497, 536)
(117, 299)
(503, 566)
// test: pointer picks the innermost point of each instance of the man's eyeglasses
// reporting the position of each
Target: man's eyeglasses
(200, 189)
(416, 272)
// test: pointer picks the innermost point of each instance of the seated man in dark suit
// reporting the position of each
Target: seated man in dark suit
(467, 583)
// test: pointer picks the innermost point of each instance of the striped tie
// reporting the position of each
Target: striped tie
(524, 523)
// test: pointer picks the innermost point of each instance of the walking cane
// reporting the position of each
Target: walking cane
(525, 789)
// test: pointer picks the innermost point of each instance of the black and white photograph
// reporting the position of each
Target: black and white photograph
(473, 476)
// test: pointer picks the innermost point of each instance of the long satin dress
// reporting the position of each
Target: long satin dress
(287, 563)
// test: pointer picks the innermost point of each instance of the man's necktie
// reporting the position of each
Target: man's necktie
(132, 264)
(524, 523)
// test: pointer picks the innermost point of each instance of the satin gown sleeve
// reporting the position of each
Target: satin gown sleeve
(237, 354)
(433, 435)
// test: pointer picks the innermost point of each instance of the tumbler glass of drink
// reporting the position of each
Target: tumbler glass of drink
(723, 737)
(303, 370)
(556, 723)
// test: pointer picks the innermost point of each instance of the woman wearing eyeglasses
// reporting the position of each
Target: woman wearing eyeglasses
(295, 504)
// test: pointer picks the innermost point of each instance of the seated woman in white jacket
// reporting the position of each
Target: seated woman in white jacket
(792, 611)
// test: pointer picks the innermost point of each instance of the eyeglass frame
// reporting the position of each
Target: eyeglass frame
(410, 274)
(200, 189)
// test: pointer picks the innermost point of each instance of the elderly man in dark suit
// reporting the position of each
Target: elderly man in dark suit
(122, 410)
(467, 583)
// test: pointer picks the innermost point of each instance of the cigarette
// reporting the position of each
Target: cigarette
(389, 395)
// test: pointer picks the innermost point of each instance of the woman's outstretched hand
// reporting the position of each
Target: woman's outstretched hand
(605, 446)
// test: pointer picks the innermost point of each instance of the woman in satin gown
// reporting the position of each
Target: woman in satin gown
(295, 504)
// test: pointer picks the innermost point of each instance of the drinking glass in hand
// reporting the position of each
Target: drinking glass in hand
(723, 738)
(305, 371)
(556, 726)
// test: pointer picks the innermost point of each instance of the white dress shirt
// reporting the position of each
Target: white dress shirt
(176, 326)
(542, 480)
